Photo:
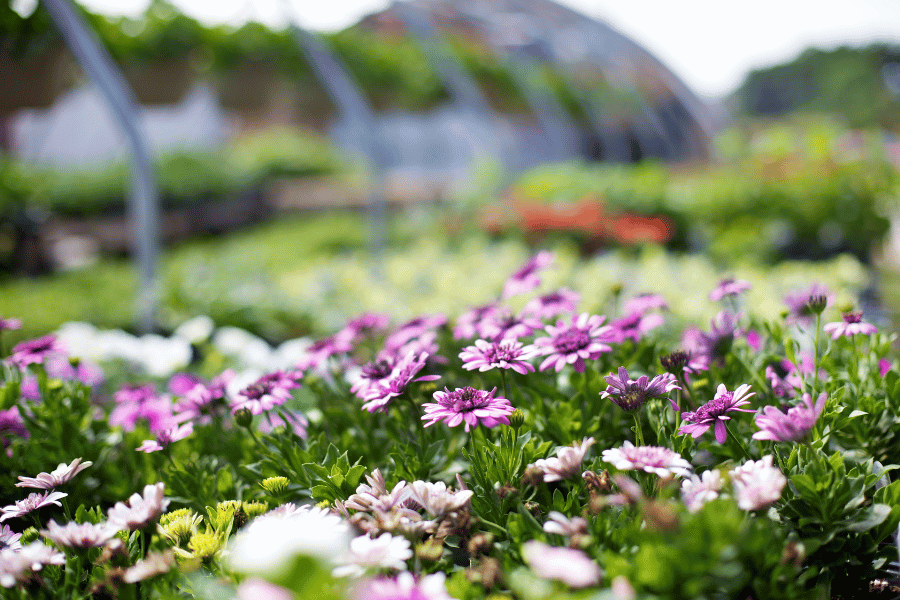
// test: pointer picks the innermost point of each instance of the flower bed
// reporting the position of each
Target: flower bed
(539, 453)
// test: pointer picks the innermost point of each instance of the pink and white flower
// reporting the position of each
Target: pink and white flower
(572, 567)
(573, 343)
(652, 459)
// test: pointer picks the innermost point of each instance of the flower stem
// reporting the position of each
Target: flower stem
(638, 432)
(816, 355)
(738, 442)
(505, 387)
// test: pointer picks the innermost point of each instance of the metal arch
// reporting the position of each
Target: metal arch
(143, 205)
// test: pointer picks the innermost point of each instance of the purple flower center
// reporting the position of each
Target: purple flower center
(500, 352)
(629, 323)
(466, 399)
(650, 456)
(378, 369)
(571, 341)
(713, 409)
(852, 317)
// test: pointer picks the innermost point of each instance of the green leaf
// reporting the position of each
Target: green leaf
(873, 516)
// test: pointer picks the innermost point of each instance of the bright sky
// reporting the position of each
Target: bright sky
(710, 44)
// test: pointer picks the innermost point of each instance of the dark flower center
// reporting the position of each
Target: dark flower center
(571, 341)
(713, 409)
(378, 369)
(467, 399)
(852, 317)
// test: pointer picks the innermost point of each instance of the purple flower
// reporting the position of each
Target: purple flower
(573, 343)
(792, 426)
(202, 400)
(501, 325)
(267, 392)
(467, 405)
(363, 326)
(36, 351)
(526, 279)
(630, 394)
(11, 422)
(33, 502)
(322, 350)
(372, 374)
(134, 403)
(60, 367)
(798, 303)
(707, 348)
(379, 396)
(504, 354)
(714, 413)
(9, 538)
(166, 437)
(634, 326)
(652, 459)
(571, 566)
(181, 383)
(413, 329)
(643, 303)
(729, 287)
(884, 366)
(75, 535)
(61, 475)
(550, 305)
(851, 324)
(757, 484)
(785, 379)
(140, 510)
(467, 324)
(292, 421)
(10, 323)
(404, 586)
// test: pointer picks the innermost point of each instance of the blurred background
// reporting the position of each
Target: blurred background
(313, 160)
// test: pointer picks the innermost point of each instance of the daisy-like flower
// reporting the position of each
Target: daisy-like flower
(503, 354)
(729, 287)
(784, 378)
(200, 401)
(561, 524)
(11, 422)
(403, 587)
(631, 395)
(379, 396)
(757, 484)
(570, 566)
(652, 459)
(376, 496)
(714, 413)
(384, 552)
(134, 403)
(10, 324)
(467, 405)
(850, 325)
(16, 565)
(372, 373)
(437, 499)
(643, 303)
(697, 491)
(36, 351)
(33, 502)
(267, 545)
(574, 343)
(503, 325)
(267, 392)
(412, 329)
(634, 326)
(60, 475)
(468, 323)
(562, 301)
(526, 278)
(363, 326)
(706, 348)
(566, 463)
(70, 369)
(79, 535)
(793, 426)
(140, 510)
(322, 350)
(9, 538)
(166, 437)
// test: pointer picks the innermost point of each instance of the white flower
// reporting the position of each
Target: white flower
(572, 567)
(75, 535)
(652, 459)
(563, 525)
(436, 499)
(386, 551)
(196, 330)
(757, 484)
(567, 462)
(140, 510)
(60, 475)
(14, 564)
(267, 544)
(697, 491)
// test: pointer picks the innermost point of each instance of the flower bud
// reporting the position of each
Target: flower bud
(275, 485)
(243, 417)
(517, 419)
(817, 304)
(674, 363)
